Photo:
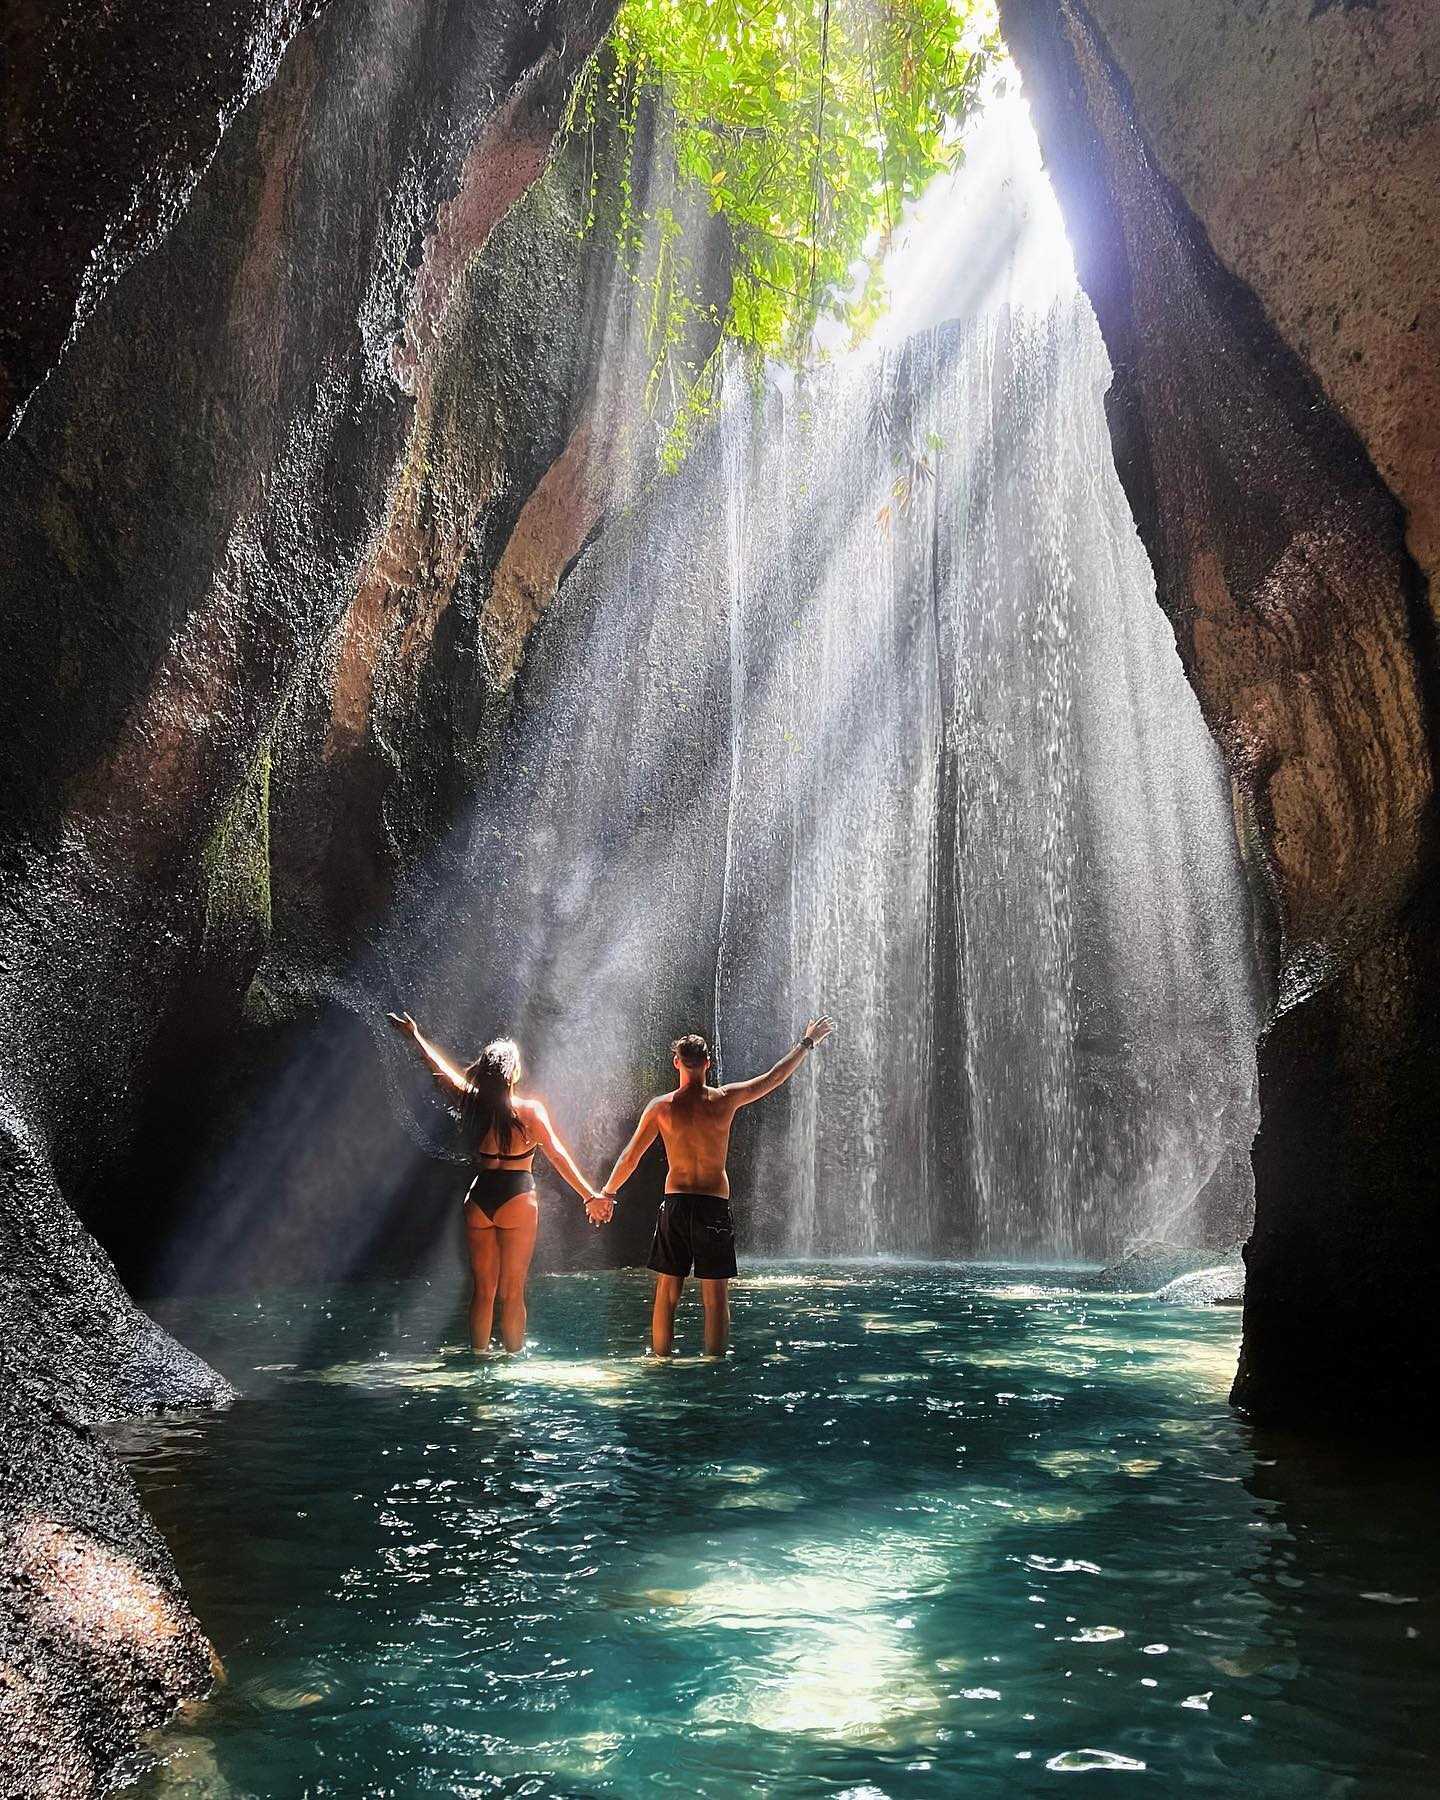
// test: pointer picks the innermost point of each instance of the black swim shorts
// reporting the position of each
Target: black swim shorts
(694, 1230)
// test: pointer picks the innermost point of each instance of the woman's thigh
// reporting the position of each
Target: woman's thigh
(484, 1242)
(516, 1224)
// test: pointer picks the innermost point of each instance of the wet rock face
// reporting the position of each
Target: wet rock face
(96, 1640)
(233, 519)
(122, 106)
(1252, 195)
(1306, 138)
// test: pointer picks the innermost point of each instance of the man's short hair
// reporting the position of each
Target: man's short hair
(692, 1050)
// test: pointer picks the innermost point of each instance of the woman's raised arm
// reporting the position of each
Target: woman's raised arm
(440, 1065)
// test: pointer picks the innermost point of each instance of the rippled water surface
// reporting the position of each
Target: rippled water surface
(929, 1531)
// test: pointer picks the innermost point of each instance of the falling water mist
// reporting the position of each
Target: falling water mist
(972, 806)
(871, 710)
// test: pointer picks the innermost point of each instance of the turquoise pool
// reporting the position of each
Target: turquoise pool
(930, 1531)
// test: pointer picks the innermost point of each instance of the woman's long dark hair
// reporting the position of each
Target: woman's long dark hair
(487, 1105)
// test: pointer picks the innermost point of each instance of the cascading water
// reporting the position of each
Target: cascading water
(968, 808)
(980, 814)
(832, 818)
(869, 709)
(1004, 588)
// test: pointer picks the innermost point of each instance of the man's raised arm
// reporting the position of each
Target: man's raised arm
(743, 1092)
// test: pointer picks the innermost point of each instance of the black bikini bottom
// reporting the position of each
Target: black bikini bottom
(491, 1188)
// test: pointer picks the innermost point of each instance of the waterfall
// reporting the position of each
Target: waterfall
(977, 810)
(972, 810)
(871, 710)
(1005, 588)
(833, 815)
(735, 538)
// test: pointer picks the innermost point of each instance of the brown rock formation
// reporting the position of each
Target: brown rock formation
(1306, 139)
(1270, 311)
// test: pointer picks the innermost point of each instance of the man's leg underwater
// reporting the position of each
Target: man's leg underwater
(716, 1298)
(668, 1289)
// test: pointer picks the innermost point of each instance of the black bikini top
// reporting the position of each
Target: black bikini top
(508, 1155)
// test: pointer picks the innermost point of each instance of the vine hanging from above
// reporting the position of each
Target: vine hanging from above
(805, 126)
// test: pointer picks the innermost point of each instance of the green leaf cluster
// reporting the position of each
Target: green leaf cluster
(806, 125)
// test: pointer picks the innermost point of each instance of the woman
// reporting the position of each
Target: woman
(502, 1131)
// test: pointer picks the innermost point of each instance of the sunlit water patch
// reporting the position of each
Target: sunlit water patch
(928, 1531)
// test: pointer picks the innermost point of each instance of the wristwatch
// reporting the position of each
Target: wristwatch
(808, 1041)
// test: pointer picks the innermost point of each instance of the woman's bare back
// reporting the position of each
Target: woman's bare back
(525, 1142)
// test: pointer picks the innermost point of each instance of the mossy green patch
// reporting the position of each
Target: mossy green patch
(236, 858)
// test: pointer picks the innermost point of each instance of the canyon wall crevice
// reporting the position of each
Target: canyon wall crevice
(1271, 317)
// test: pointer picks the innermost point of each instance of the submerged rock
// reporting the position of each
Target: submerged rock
(1182, 1275)
(1222, 1285)
(1152, 1268)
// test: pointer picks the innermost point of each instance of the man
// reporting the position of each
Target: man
(694, 1229)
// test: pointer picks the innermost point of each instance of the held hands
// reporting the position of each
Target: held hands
(817, 1030)
(600, 1209)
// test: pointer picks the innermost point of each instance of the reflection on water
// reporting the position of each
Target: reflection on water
(929, 1531)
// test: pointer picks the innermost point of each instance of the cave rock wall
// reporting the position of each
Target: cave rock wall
(262, 435)
(1253, 194)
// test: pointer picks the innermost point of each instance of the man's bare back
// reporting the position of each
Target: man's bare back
(695, 1232)
(694, 1124)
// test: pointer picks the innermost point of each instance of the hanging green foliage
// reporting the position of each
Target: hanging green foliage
(806, 125)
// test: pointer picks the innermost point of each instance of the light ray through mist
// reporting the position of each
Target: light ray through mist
(869, 709)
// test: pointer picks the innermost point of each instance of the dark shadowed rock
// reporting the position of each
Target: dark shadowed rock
(96, 1640)
(211, 537)
(121, 106)
(1254, 200)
